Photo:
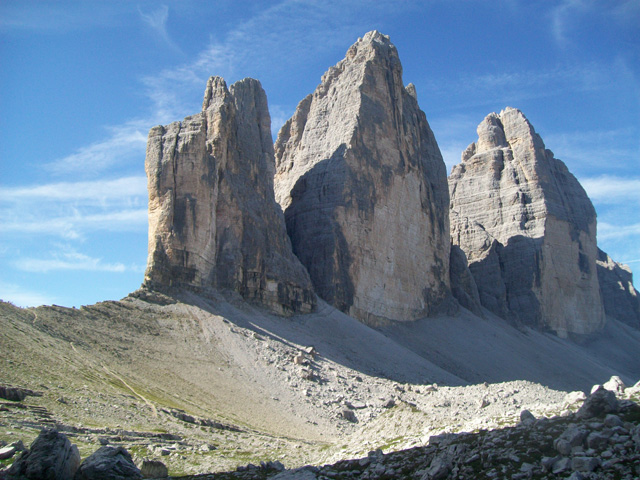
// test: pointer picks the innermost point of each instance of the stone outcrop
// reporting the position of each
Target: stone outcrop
(362, 183)
(50, 456)
(109, 463)
(213, 220)
(528, 229)
(621, 299)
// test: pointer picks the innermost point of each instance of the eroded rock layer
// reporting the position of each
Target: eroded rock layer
(363, 186)
(527, 227)
(213, 219)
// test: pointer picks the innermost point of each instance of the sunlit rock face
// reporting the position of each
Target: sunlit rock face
(363, 186)
(213, 219)
(528, 229)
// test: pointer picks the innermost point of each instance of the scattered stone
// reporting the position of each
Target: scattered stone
(349, 415)
(572, 398)
(585, 464)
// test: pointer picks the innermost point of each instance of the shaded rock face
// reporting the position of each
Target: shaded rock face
(50, 456)
(108, 463)
(213, 220)
(463, 285)
(528, 229)
(362, 183)
(621, 299)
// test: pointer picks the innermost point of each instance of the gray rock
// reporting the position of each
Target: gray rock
(527, 418)
(599, 403)
(349, 415)
(153, 469)
(51, 456)
(363, 186)
(616, 385)
(612, 420)
(597, 440)
(463, 285)
(7, 452)
(621, 299)
(561, 465)
(585, 464)
(304, 473)
(439, 468)
(108, 463)
(213, 219)
(16, 394)
(528, 229)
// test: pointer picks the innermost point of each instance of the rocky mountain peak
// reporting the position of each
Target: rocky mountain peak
(522, 217)
(215, 91)
(213, 219)
(356, 165)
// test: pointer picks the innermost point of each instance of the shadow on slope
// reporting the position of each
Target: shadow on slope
(491, 350)
(449, 350)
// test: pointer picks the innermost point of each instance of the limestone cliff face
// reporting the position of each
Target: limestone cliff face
(527, 227)
(363, 186)
(621, 299)
(213, 219)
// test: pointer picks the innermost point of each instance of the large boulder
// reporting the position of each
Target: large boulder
(51, 456)
(213, 219)
(528, 229)
(621, 299)
(363, 186)
(108, 463)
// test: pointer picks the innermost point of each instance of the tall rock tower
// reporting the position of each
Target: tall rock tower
(364, 189)
(213, 219)
(528, 229)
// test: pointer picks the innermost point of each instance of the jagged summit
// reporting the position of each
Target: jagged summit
(527, 227)
(363, 186)
(213, 220)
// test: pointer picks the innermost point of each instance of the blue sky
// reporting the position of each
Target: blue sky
(82, 83)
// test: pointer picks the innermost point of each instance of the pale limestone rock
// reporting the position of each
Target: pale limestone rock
(363, 186)
(213, 219)
(528, 229)
(621, 299)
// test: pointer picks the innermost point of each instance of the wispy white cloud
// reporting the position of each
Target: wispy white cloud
(509, 88)
(608, 189)
(10, 292)
(72, 209)
(90, 192)
(608, 231)
(68, 261)
(157, 20)
(124, 143)
(590, 150)
(75, 226)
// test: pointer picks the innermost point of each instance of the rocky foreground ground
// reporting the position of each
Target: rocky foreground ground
(601, 440)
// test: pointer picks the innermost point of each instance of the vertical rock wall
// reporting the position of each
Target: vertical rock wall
(213, 219)
(363, 186)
